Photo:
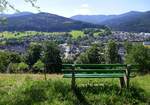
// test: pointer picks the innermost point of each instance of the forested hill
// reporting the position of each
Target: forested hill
(47, 22)
(132, 21)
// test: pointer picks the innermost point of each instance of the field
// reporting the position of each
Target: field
(32, 89)
(17, 35)
(75, 34)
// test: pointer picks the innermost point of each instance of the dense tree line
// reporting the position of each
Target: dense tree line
(100, 54)
(46, 57)
(39, 57)
(108, 54)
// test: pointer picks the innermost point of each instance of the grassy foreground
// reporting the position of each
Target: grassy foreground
(29, 89)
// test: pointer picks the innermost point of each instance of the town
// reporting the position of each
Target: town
(71, 47)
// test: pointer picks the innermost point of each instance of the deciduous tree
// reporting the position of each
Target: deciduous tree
(141, 56)
(94, 55)
(33, 54)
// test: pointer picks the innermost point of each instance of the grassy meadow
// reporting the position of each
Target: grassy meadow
(18, 35)
(32, 89)
(76, 33)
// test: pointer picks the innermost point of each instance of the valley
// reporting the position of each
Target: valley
(72, 43)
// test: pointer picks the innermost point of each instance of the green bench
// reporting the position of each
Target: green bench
(121, 71)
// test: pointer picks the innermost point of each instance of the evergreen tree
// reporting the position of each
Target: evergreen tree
(111, 54)
(51, 57)
(33, 54)
(128, 46)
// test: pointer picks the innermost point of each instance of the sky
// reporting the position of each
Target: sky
(68, 8)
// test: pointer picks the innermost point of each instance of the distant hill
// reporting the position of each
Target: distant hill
(132, 21)
(16, 14)
(26, 21)
(96, 19)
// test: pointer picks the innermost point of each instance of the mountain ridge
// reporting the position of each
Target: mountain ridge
(131, 21)
(43, 21)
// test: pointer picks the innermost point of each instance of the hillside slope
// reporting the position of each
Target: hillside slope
(42, 22)
(131, 21)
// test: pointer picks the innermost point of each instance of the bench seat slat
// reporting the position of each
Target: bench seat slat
(114, 75)
(100, 65)
(94, 71)
(97, 70)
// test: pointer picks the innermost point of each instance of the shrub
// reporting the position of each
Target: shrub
(38, 66)
(12, 68)
(6, 58)
(22, 67)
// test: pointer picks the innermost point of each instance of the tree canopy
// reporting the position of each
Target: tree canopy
(139, 55)
(92, 56)
(51, 57)
(111, 54)
(33, 54)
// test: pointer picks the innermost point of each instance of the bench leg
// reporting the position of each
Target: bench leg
(122, 82)
(73, 83)
(128, 80)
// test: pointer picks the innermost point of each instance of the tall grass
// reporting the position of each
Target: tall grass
(30, 90)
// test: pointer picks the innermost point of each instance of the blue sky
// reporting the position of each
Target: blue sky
(69, 8)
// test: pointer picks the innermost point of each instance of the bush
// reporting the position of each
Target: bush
(22, 67)
(6, 58)
(38, 66)
(12, 68)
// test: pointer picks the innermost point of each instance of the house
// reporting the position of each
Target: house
(146, 44)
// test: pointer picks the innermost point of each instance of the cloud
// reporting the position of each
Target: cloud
(85, 6)
(83, 10)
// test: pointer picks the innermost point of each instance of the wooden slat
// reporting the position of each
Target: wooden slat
(95, 70)
(100, 65)
(117, 75)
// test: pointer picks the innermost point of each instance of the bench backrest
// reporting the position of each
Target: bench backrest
(99, 68)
